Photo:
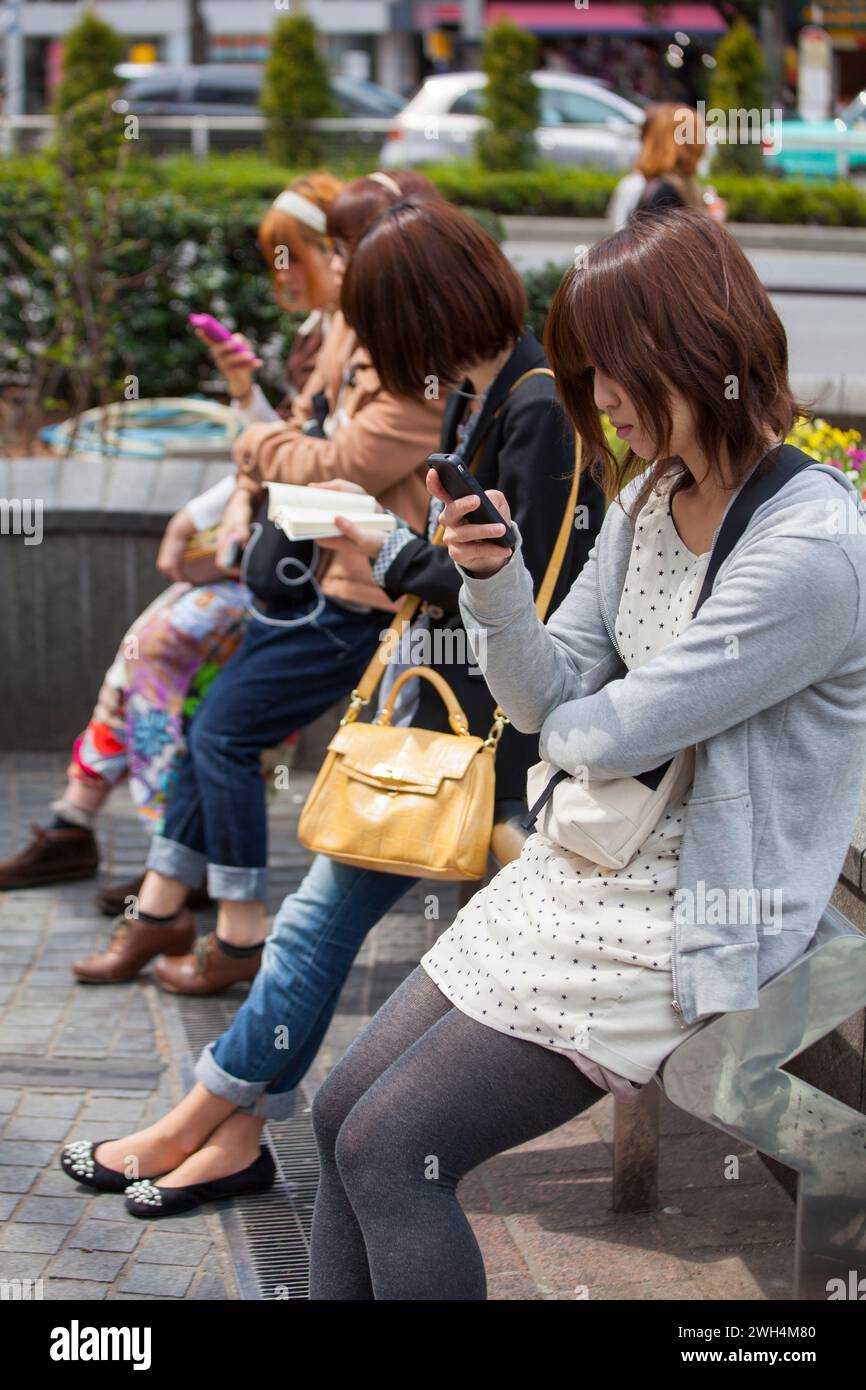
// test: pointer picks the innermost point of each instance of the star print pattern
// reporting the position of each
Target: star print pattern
(579, 958)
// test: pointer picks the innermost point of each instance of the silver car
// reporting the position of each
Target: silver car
(582, 123)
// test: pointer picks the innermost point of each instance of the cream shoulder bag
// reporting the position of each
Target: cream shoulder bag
(604, 822)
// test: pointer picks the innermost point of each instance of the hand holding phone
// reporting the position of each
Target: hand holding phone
(478, 533)
(216, 332)
(459, 482)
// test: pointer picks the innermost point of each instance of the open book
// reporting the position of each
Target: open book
(307, 513)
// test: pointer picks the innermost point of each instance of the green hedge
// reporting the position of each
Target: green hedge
(541, 192)
(541, 286)
(201, 258)
(198, 224)
(793, 202)
(548, 192)
(544, 191)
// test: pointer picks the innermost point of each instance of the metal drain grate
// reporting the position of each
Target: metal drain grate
(268, 1236)
(276, 1228)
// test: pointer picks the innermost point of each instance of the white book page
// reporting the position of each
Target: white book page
(321, 500)
(305, 524)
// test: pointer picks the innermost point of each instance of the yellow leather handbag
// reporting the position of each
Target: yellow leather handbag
(407, 800)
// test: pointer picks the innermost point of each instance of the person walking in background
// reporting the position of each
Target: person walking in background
(503, 417)
(665, 175)
(559, 958)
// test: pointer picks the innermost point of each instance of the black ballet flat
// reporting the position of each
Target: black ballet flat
(78, 1162)
(145, 1199)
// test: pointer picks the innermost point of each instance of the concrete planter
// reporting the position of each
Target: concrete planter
(69, 599)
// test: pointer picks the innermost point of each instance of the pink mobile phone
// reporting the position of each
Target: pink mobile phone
(215, 331)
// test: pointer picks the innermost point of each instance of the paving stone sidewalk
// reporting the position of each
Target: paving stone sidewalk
(79, 1062)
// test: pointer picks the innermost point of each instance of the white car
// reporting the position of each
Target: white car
(581, 122)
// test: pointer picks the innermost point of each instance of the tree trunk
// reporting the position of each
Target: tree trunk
(197, 32)
(773, 35)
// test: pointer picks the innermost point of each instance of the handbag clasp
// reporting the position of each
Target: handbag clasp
(356, 704)
(496, 730)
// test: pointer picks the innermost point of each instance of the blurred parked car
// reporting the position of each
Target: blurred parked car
(821, 159)
(581, 122)
(232, 89)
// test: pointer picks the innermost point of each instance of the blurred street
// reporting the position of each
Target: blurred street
(826, 332)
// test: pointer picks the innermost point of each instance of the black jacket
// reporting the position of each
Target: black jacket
(529, 455)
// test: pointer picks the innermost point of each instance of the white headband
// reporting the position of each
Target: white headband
(387, 182)
(299, 207)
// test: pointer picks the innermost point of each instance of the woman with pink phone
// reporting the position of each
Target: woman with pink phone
(172, 651)
(210, 330)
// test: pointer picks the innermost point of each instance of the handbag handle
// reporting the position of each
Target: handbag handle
(456, 718)
(363, 691)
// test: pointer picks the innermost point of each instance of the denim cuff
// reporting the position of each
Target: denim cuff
(237, 885)
(177, 861)
(249, 1096)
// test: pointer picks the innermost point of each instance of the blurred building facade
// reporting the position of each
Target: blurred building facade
(366, 38)
(640, 49)
(393, 42)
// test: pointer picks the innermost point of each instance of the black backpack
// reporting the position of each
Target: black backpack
(274, 567)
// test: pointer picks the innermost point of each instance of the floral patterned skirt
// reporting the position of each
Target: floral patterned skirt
(163, 668)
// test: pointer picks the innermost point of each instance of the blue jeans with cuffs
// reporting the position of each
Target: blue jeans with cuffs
(263, 1056)
(280, 680)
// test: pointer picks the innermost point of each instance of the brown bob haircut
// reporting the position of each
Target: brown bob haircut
(671, 303)
(428, 293)
(672, 141)
(364, 199)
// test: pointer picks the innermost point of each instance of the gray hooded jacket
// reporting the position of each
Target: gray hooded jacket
(768, 683)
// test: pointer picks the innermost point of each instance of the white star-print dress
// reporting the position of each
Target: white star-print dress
(575, 960)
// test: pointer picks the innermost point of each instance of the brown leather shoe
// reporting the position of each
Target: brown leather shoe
(208, 970)
(111, 900)
(133, 943)
(53, 856)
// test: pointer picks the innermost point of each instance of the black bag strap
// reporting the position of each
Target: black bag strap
(759, 487)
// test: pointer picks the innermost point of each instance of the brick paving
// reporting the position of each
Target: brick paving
(79, 1062)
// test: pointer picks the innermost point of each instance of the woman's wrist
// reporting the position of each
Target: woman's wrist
(181, 526)
(390, 548)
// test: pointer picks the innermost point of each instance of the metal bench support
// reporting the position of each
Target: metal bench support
(729, 1074)
(636, 1152)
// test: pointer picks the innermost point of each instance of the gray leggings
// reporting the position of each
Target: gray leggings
(422, 1096)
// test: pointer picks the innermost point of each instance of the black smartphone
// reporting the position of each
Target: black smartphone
(457, 481)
